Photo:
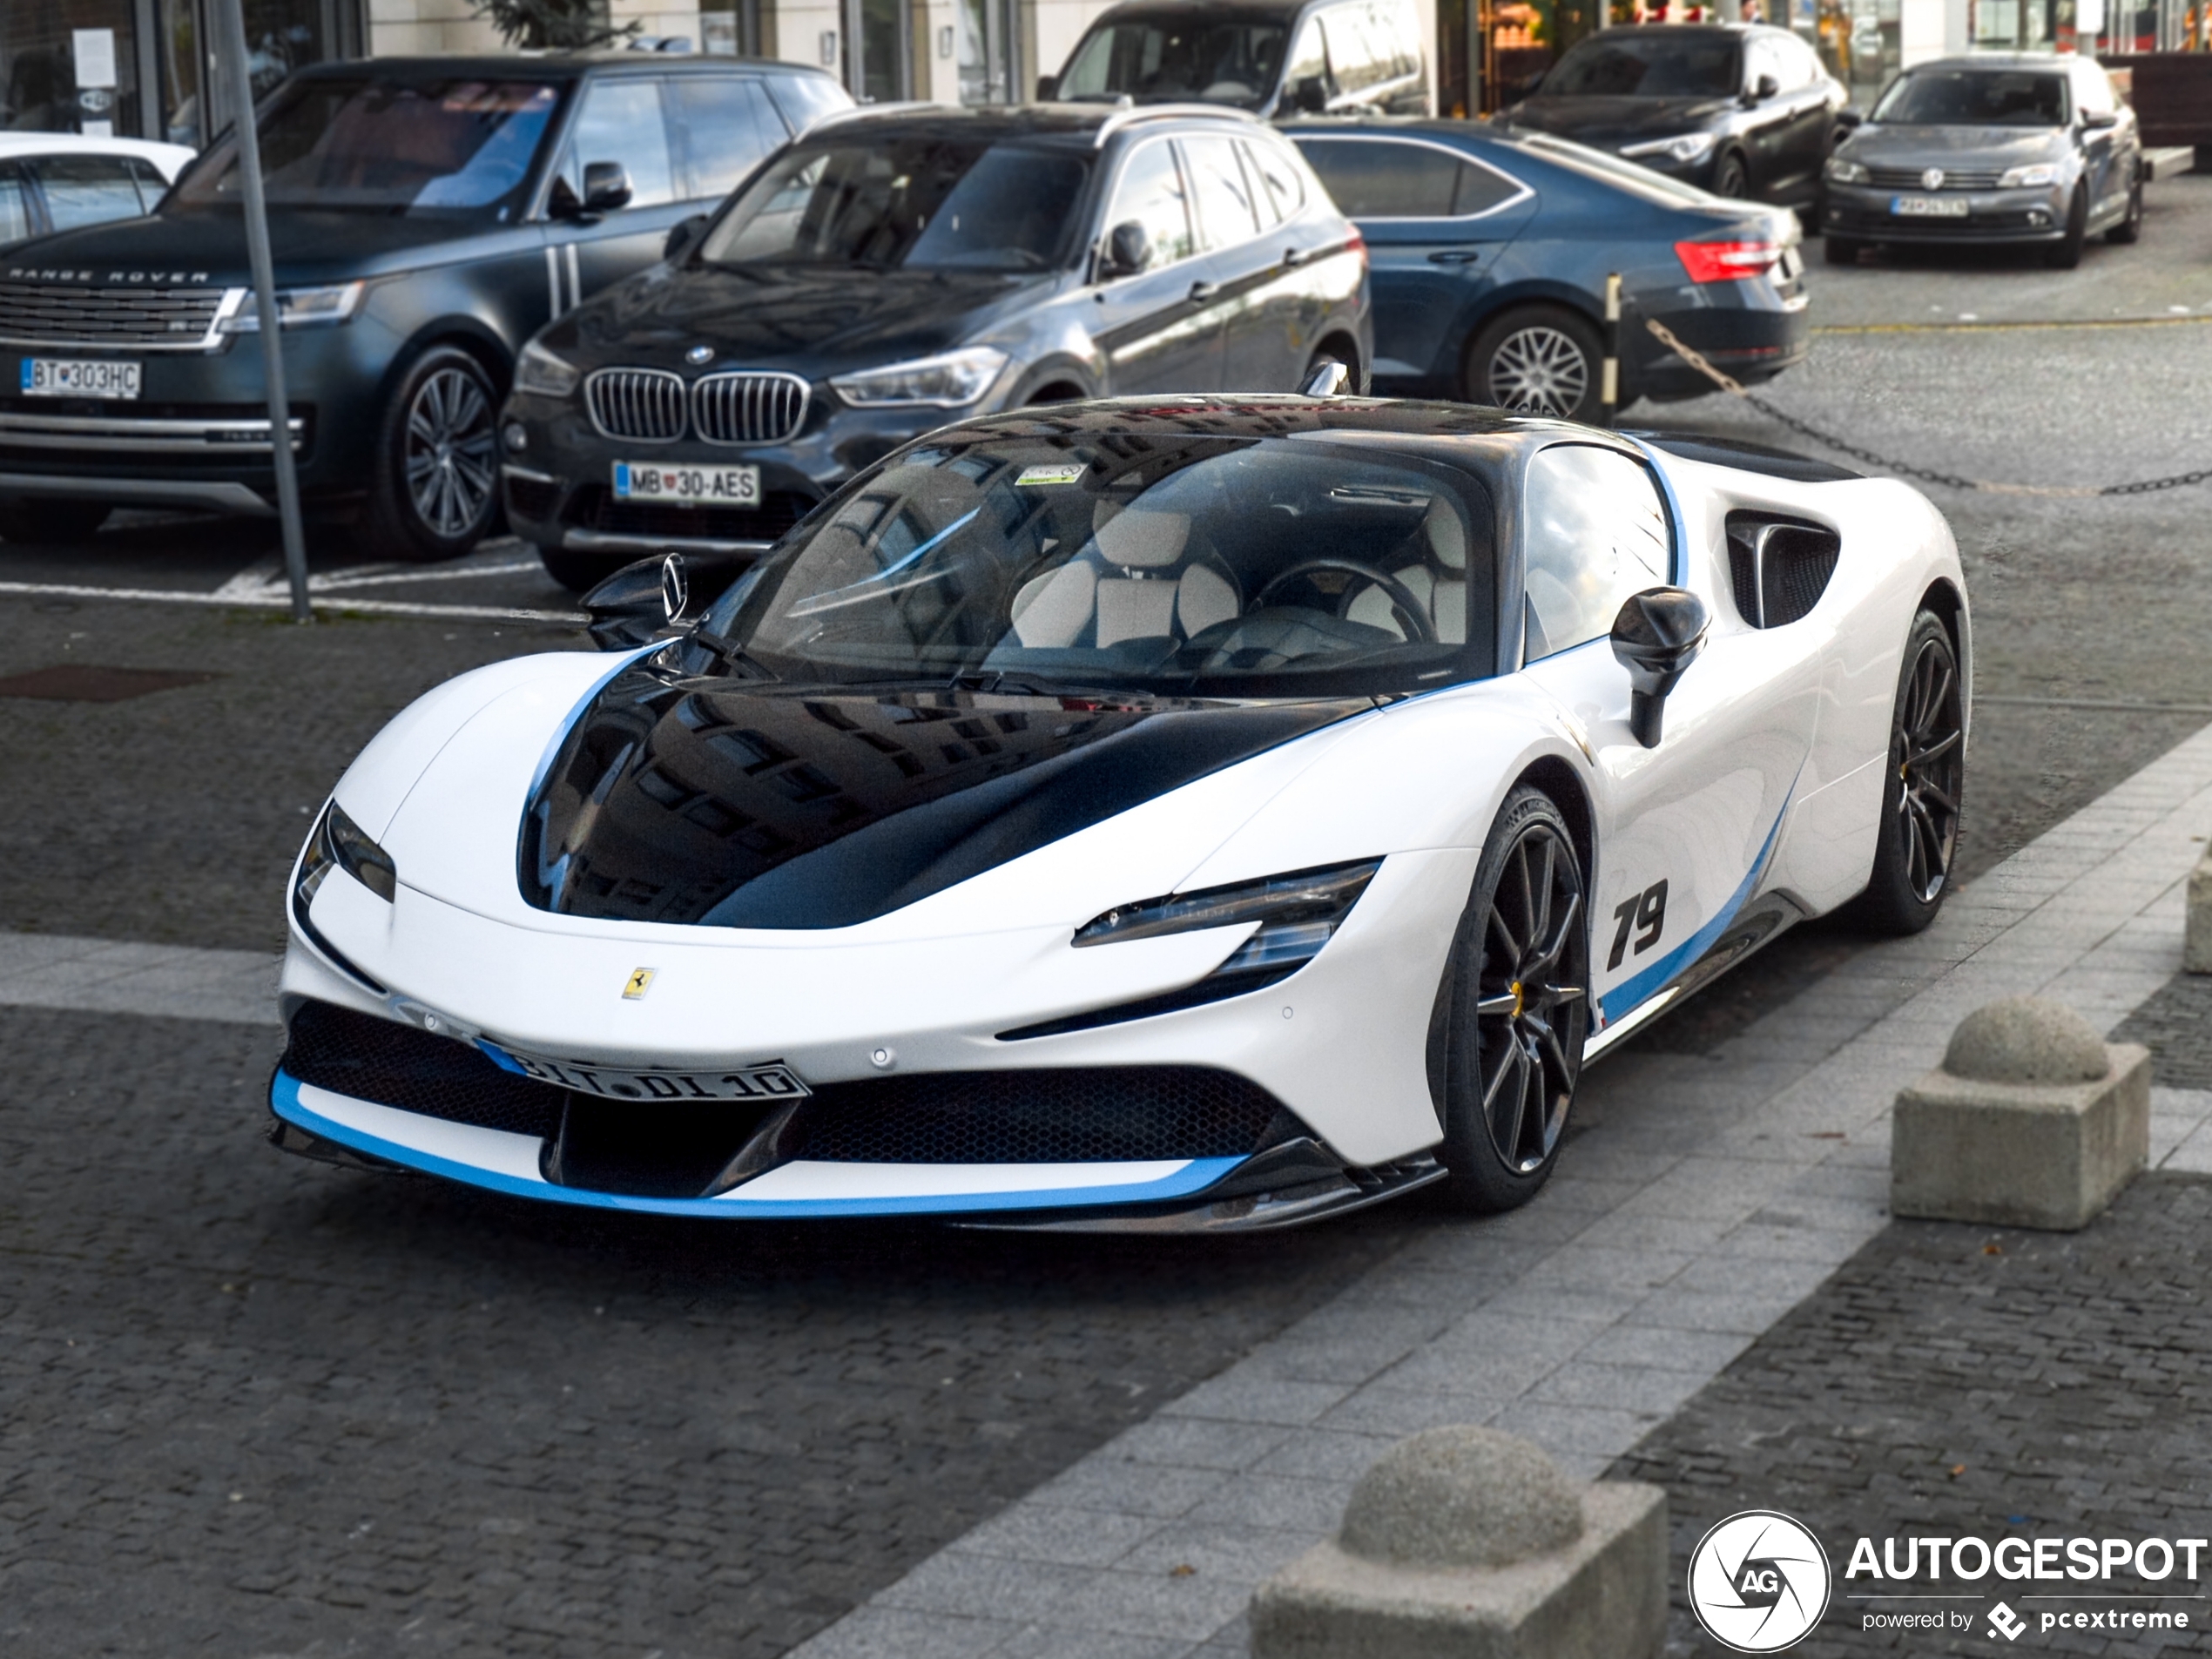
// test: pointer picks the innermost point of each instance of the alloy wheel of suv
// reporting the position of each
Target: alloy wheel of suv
(433, 493)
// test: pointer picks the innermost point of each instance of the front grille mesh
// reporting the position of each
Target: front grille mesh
(50, 314)
(396, 1065)
(1909, 179)
(748, 409)
(532, 497)
(644, 404)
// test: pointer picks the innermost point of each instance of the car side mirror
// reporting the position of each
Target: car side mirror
(1048, 88)
(1129, 250)
(683, 237)
(2095, 120)
(1310, 96)
(1849, 121)
(1761, 89)
(606, 187)
(1658, 636)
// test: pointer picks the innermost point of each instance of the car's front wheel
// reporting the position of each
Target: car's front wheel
(1515, 1007)
(1923, 788)
(2130, 229)
(435, 490)
(50, 518)
(2066, 253)
(1541, 360)
(1732, 178)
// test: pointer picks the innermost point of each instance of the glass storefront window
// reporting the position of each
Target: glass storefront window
(70, 66)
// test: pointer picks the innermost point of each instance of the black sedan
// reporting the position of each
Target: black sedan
(895, 271)
(1488, 254)
(1738, 109)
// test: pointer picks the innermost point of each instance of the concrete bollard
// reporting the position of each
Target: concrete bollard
(2032, 1120)
(2197, 939)
(1465, 1543)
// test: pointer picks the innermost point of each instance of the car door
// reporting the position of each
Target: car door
(619, 119)
(1154, 334)
(2106, 180)
(1435, 221)
(1687, 829)
(1768, 126)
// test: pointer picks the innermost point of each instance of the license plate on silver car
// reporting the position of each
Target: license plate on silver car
(688, 486)
(771, 1079)
(1928, 206)
(73, 377)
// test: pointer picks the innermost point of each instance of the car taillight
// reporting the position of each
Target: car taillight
(1356, 243)
(1726, 262)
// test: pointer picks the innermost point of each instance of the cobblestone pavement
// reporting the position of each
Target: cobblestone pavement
(250, 1406)
(1953, 1380)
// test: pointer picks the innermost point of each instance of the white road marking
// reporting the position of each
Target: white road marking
(280, 599)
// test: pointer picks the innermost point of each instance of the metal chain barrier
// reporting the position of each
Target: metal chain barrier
(1666, 337)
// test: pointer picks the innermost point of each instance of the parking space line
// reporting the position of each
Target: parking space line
(279, 601)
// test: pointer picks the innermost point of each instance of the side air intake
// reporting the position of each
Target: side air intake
(1779, 567)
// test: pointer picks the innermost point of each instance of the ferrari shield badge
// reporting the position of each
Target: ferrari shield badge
(641, 981)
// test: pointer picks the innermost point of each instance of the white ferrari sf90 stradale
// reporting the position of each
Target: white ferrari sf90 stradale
(1192, 813)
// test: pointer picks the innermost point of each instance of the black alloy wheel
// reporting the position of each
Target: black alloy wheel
(1515, 1008)
(1539, 360)
(2066, 254)
(2130, 229)
(1731, 178)
(50, 518)
(1925, 790)
(434, 492)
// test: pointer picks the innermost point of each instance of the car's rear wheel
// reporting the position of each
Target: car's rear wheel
(2066, 253)
(1925, 786)
(2130, 229)
(1732, 178)
(1541, 359)
(1515, 1009)
(50, 518)
(1842, 250)
(434, 490)
(581, 572)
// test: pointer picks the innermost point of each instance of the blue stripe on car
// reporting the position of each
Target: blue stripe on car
(1622, 999)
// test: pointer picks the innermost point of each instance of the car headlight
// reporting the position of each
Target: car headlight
(299, 309)
(538, 372)
(2040, 173)
(1845, 172)
(1297, 913)
(1688, 147)
(949, 381)
(338, 843)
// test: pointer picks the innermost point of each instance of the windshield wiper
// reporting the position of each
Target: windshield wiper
(729, 653)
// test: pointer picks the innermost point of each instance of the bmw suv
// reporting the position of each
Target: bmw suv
(896, 270)
(426, 215)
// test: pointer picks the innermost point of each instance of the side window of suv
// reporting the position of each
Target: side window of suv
(621, 120)
(1226, 211)
(87, 190)
(2092, 89)
(1278, 173)
(1309, 64)
(1151, 193)
(1358, 59)
(724, 128)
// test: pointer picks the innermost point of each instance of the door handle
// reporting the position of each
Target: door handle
(1454, 256)
(1201, 292)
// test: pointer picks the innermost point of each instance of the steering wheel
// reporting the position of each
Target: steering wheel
(1410, 612)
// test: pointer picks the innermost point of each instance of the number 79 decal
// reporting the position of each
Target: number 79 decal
(1643, 914)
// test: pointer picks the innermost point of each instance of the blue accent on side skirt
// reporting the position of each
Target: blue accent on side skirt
(1634, 990)
(1195, 1177)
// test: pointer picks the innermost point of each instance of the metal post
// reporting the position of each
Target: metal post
(231, 26)
(1608, 397)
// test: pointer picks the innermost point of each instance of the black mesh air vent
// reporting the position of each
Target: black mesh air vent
(532, 497)
(1071, 1116)
(1778, 568)
(396, 1065)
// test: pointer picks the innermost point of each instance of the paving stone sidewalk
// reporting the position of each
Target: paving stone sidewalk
(1703, 1199)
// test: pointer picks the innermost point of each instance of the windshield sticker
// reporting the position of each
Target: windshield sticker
(1061, 475)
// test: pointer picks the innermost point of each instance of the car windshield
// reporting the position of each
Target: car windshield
(1185, 564)
(459, 145)
(920, 204)
(1214, 60)
(1659, 63)
(1968, 97)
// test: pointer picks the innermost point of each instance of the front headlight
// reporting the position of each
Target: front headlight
(1688, 147)
(949, 381)
(1845, 172)
(299, 309)
(338, 843)
(2041, 172)
(1297, 913)
(538, 372)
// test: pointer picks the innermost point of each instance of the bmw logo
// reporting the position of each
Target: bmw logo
(705, 354)
(1933, 178)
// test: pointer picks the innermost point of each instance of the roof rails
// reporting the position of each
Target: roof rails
(1130, 115)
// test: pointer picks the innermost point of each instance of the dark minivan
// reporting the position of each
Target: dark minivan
(428, 215)
(896, 270)
(1273, 57)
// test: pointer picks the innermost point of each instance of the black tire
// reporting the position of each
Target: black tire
(50, 518)
(2130, 229)
(1537, 360)
(1512, 1054)
(433, 493)
(581, 572)
(1731, 178)
(1841, 250)
(1923, 788)
(2066, 254)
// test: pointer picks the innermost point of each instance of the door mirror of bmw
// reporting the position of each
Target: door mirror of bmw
(683, 237)
(1656, 637)
(606, 187)
(1761, 89)
(1129, 250)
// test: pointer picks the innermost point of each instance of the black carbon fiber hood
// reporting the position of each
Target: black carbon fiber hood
(700, 802)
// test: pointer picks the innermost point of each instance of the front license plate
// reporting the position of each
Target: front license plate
(771, 1080)
(72, 377)
(688, 486)
(1928, 206)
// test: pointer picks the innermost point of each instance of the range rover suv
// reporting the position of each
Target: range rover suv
(426, 215)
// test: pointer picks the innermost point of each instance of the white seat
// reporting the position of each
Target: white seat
(1119, 587)
(1445, 599)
